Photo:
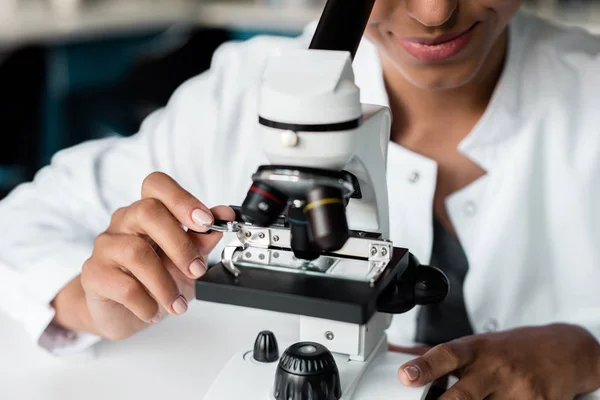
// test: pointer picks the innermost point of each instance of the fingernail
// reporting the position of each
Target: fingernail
(180, 305)
(412, 373)
(197, 269)
(202, 218)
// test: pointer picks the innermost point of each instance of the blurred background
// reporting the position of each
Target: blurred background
(73, 70)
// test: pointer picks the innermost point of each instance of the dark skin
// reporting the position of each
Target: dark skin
(557, 361)
(554, 362)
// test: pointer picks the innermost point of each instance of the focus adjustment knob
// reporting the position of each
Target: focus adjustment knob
(266, 349)
(307, 371)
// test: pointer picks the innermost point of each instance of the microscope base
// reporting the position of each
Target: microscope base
(245, 378)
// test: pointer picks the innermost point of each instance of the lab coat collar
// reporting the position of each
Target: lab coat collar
(489, 139)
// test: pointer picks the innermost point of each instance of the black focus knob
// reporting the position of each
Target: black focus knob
(431, 285)
(418, 285)
(266, 349)
(307, 371)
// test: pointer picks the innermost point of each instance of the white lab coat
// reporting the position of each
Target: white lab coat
(530, 227)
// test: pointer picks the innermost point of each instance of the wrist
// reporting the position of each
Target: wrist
(71, 311)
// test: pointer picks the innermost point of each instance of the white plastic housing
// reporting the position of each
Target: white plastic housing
(328, 150)
(310, 87)
(322, 92)
(243, 378)
(356, 341)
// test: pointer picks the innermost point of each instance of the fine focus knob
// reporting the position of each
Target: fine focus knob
(266, 349)
(431, 285)
(307, 371)
(418, 285)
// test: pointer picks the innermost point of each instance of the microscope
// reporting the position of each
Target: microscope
(311, 237)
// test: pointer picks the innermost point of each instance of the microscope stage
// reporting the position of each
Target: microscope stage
(316, 296)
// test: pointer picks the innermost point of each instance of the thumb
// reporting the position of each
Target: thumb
(207, 242)
(415, 351)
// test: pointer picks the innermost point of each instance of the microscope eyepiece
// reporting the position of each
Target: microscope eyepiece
(326, 212)
(263, 205)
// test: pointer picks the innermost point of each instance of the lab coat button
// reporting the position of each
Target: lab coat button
(491, 326)
(414, 177)
(470, 208)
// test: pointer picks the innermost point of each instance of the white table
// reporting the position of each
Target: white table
(176, 359)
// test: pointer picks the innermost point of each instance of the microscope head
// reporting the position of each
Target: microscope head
(311, 120)
(308, 129)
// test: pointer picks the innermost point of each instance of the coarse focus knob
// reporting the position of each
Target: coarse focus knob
(266, 349)
(307, 371)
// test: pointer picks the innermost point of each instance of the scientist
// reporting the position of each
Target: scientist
(494, 176)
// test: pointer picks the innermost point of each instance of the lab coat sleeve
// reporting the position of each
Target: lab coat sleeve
(48, 226)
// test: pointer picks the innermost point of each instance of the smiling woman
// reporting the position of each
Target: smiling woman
(441, 44)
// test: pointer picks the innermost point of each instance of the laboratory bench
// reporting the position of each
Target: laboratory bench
(176, 359)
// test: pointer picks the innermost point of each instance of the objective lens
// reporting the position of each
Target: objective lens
(263, 205)
(326, 212)
(301, 243)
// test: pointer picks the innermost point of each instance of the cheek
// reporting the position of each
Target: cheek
(382, 10)
(504, 9)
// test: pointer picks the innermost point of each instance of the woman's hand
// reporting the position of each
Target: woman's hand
(556, 362)
(144, 265)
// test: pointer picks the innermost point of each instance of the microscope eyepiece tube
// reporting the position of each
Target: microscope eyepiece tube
(342, 25)
(326, 212)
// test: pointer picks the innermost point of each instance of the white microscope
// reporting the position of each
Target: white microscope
(311, 238)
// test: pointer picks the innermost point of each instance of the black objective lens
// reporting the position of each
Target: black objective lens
(326, 212)
(263, 205)
(301, 243)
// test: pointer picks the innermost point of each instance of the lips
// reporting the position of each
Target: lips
(440, 48)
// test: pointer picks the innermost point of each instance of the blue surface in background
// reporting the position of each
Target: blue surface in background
(81, 66)
(86, 65)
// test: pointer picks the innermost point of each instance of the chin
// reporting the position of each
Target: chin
(437, 81)
(439, 77)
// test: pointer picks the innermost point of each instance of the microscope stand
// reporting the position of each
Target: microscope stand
(376, 378)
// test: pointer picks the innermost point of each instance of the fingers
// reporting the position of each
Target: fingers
(223, 213)
(436, 363)
(188, 210)
(114, 284)
(150, 217)
(206, 243)
(471, 387)
(134, 255)
(417, 351)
